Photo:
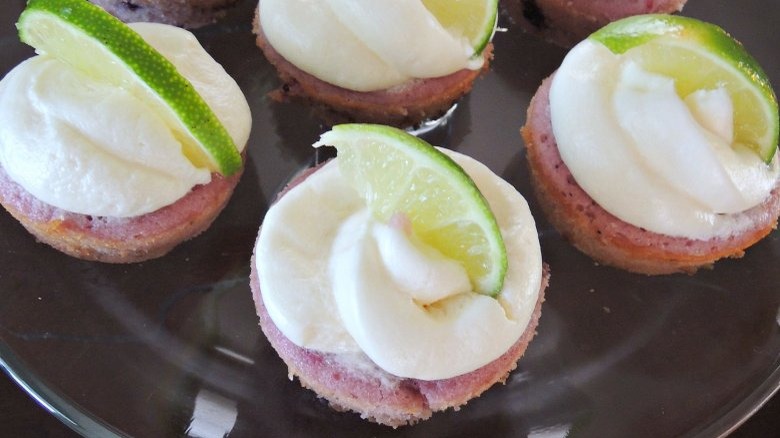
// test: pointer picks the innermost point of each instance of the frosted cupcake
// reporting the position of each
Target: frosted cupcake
(389, 62)
(189, 14)
(376, 321)
(652, 148)
(98, 172)
(567, 22)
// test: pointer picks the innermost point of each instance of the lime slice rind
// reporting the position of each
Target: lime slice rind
(484, 38)
(682, 47)
(431, 189)
(93, 41)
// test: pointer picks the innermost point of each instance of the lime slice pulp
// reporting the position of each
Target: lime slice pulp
(700, 55)
(397, 172)
(473, 19)
(91, 40)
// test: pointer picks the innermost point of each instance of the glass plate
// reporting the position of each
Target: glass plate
(172, 347)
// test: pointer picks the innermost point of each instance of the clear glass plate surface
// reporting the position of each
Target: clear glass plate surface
(171, 347)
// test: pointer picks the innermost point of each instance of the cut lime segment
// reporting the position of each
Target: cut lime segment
(91, 40)
(700, 55)
(473, 19)
(396, 172)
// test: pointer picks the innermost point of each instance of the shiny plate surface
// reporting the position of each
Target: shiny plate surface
(172, 347)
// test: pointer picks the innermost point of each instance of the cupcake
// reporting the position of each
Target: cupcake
(373, 321)
(388, 62)
(652, 147)
(93, 170)
(567, 22)
(189, 14)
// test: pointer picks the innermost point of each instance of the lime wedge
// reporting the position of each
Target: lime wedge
(396, 172)
(91, 40)
(700, 55)
(473, 19)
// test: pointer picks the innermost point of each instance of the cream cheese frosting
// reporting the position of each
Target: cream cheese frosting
(364, 46)
(335, 280)
(652, 158)
(91, 148)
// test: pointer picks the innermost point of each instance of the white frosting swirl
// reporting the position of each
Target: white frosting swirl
(648, 156)
(351, 285)
(364, 46)
(91, 148)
